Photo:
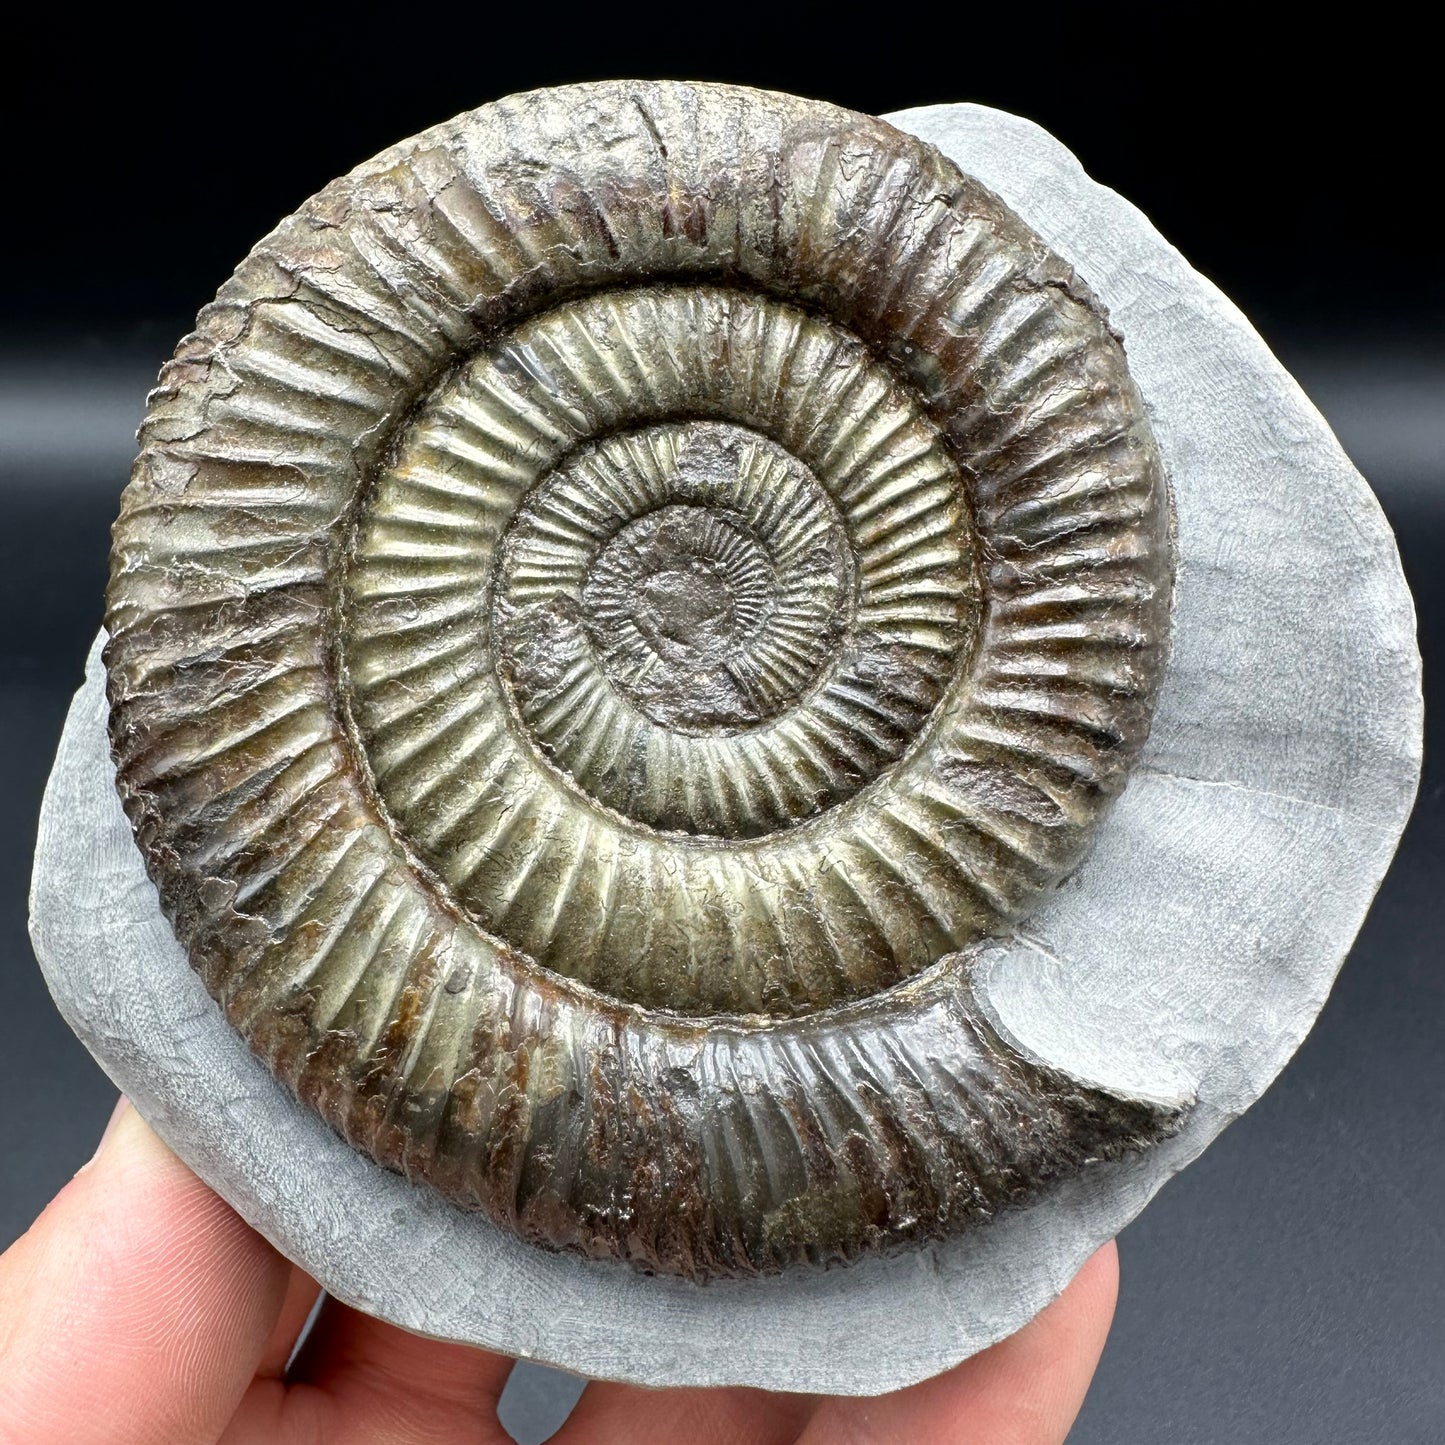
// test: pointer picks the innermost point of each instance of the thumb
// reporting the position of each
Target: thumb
(142, 1287)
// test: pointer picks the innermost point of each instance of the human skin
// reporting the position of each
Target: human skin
(140, 1309)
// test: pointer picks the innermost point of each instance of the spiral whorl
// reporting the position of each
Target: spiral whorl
(618, 597)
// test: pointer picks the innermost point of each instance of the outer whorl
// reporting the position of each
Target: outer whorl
(620, 598)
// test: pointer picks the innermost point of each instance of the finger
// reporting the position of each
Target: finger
(384, 1385)
(609, 1414)
(136, 1307)
(269, 1412)
(302, 1296)
(1025, 1390)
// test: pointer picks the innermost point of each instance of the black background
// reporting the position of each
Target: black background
(1290, 1286)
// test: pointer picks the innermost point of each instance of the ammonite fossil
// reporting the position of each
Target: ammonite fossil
(621, 598)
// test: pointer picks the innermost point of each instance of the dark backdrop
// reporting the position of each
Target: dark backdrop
(1288, 1287)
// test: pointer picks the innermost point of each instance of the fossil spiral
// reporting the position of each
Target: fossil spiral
(619, 599)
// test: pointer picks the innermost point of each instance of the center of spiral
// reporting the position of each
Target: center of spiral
(674, 605)
(689, 607)
(665, 600)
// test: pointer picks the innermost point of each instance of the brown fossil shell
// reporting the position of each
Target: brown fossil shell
(620, 597)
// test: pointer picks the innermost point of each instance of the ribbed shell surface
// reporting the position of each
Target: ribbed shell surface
(620, 597)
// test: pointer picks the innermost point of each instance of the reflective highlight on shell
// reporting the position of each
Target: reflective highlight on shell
(620, 598)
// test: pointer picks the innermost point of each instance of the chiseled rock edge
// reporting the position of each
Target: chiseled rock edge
(1191, 953)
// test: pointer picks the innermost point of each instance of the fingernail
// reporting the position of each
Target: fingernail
(121, 1105)
(116, 1114)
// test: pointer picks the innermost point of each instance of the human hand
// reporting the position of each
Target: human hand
(141, 1310)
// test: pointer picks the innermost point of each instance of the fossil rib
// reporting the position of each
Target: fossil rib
(619, 598)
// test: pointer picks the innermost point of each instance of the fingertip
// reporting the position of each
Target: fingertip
(128, 1142)
(1025, 1390)
(1095, 1289)
(122, 1107)
(140, 1280)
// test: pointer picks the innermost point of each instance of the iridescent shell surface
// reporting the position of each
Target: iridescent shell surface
(620, 599)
